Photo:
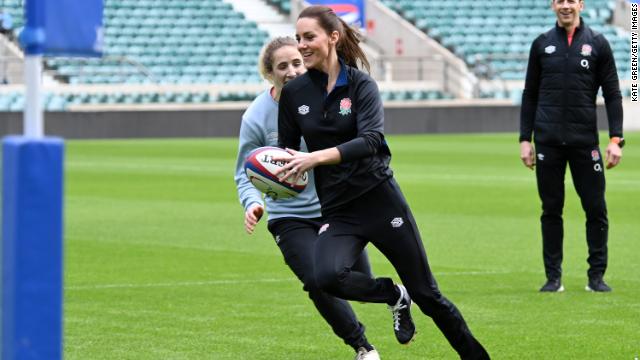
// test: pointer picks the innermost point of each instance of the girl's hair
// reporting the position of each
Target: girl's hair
(265, 64)
(347, 47)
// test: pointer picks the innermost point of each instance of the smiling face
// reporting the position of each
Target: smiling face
(567, 12)
(287, 65)
(314, 43)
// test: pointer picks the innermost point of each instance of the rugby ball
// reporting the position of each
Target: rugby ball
(260, 168)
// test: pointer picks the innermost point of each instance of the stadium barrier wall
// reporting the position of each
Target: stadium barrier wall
(400, 118)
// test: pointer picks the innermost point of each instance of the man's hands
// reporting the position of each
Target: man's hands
(252, 216)
(527, 154)
(613, 155)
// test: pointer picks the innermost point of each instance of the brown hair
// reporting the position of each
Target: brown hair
(347, 47)
(265, 64)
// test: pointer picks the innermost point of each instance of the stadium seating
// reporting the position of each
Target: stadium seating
(283, 5)
(494, 37)
(207, 42)
(165, 41)
(414, 95)
(14, 8)
(14, 101)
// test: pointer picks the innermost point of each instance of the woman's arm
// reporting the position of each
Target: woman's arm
(369, 121)
(289, 132)
(250, 139)
(302, 161)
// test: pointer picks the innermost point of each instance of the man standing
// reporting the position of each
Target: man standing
(567, 66)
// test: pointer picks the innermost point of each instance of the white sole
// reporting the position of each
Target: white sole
(560, 289)
(587, 288)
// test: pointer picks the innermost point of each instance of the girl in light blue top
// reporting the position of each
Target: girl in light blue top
(295, 222)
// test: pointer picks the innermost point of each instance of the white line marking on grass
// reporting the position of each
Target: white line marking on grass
(499, 272)
(234, 282)
(491, 179)
(143, 167)
(174, 284)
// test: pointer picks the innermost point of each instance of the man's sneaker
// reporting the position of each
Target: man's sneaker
(597, 285)
(552, 286)
(403, 325)
(364, 354)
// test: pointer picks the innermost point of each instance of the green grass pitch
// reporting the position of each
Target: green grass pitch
(157, 264)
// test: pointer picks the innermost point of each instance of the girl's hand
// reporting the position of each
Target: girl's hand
(252, 216)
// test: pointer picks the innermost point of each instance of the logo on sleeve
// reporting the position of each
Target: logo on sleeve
(345, 106)
(550, 49)
(586, 50)
(397, 222)
(303, 110)
(540, 156)
(595, 155)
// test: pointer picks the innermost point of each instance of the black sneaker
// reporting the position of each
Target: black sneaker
(552, 286)
(597, 285)
(403, 325)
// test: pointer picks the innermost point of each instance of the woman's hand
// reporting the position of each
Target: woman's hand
(296, 165)
(301, 161)
(252, 216)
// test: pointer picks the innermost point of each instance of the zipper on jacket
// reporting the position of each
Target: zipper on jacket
(564, 94)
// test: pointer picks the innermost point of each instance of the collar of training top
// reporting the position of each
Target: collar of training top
(343, 79)
(323, 78)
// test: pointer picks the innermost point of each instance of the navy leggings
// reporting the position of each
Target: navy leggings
(296, 238)
(382, 217)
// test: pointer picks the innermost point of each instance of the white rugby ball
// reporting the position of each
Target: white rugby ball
(260, 168)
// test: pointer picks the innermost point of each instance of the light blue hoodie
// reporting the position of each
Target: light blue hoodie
(260, 128)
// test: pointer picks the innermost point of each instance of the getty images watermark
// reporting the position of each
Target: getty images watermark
(634, 51)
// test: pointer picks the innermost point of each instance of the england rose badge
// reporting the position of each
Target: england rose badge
(345, 106)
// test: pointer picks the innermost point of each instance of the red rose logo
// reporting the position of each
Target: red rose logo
(345, 106)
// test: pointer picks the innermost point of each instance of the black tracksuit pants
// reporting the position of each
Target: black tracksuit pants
(587, 172)
(381, 216)
(296, 238)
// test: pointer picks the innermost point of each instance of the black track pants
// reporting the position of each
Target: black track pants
(587, 172)
(296, 238)
(382, 217)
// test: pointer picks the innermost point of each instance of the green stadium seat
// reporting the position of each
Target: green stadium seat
(162, 32)
(493, 29)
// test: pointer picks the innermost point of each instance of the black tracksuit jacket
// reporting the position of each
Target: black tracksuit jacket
(559, 98)
(350, 118)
